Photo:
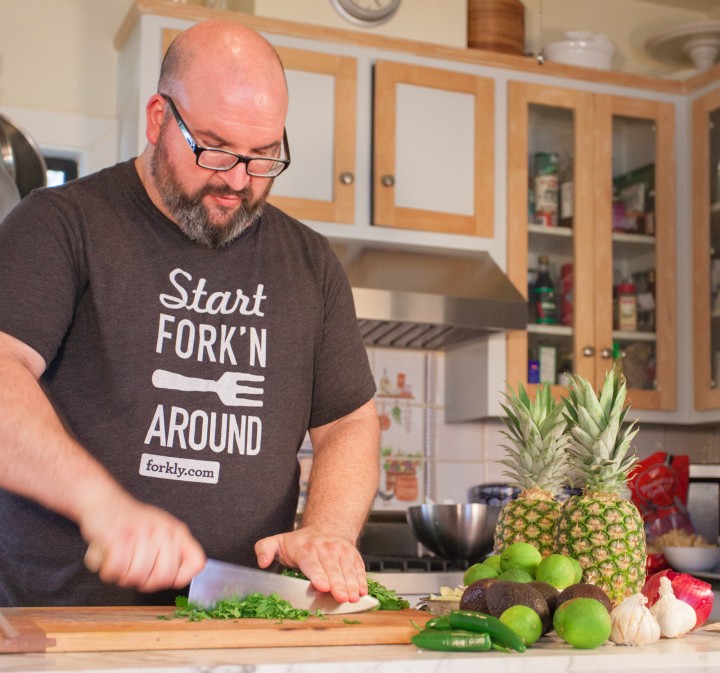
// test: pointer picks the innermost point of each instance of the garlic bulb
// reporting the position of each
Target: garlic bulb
(633, 623)
(674, 616)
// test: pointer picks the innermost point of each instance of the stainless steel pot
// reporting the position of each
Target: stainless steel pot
(21, 157)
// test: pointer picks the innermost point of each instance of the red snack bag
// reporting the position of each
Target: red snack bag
(659, 488)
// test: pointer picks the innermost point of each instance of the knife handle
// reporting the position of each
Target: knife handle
(93, 557)
(7, 629)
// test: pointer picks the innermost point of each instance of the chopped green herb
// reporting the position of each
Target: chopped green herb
(255, 605)
(351, 621)
(387, 598)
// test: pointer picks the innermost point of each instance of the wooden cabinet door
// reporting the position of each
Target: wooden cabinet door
(611, 142)
(706, 250)
(321, 128)
(433, 150)
(550, 119)
(632, 135)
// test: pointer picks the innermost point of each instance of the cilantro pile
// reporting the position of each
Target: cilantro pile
(257, 605)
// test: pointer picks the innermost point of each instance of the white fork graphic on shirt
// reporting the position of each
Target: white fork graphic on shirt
(228, 387)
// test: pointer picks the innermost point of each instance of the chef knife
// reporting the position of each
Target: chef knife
(218, 580)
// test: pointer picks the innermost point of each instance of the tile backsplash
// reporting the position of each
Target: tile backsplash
(424, 458)
(458, 456)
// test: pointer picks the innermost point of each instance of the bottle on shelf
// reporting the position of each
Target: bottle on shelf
(618, 355)
(543, 295)
(645, 300)
(533, 371)
(566, 194)
(546, 188)
(566, 369)
(627, 313)
(566, 294)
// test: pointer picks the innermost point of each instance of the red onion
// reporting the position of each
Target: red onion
(694, 592)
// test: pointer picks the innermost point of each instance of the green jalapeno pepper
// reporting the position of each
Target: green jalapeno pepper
(482, 623)
(439, 623)
(452, 641)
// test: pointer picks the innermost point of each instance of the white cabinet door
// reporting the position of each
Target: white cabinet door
(319, 184)
(433, 150)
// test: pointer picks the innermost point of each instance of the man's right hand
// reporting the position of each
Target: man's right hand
(139, 546)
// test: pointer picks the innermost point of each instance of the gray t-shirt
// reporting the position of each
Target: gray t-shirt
(192, 374)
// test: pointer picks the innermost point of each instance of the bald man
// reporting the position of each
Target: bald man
(167, 340)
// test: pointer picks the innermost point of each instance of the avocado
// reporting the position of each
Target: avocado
(584, 590)
(549, 592)
(473, 598)
(502, 595)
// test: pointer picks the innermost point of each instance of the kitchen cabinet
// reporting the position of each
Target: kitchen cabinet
(433, 149)
(321, 127)
(616, 156)
(706, 249)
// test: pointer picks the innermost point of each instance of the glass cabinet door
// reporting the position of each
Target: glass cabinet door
(706, 250)
(593, 168)
(550, 221)
(637, 208)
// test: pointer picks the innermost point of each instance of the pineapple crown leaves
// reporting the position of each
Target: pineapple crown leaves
(537, 455)
(599, 450)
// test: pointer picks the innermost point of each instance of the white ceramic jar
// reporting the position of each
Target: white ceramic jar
(591, 50)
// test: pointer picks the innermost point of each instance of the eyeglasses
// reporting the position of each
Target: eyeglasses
(222, 160)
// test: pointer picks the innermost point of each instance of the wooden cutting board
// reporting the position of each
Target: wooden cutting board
(153, 628)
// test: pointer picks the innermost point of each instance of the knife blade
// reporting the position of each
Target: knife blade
(218, 580)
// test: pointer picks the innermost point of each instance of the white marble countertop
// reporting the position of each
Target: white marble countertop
(699, 652)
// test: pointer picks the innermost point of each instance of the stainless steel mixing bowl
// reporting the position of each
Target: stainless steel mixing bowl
(456, 532)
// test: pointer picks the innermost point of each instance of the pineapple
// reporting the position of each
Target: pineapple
(599, 528)
(538, 465)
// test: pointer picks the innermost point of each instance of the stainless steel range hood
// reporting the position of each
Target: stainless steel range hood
(418, 297)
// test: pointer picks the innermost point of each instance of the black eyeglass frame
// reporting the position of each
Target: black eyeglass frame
(239, 158)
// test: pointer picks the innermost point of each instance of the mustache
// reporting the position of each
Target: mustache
(224, 190)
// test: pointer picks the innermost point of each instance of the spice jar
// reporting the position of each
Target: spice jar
(627, 307)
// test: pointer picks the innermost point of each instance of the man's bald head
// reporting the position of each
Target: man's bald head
(223, 60)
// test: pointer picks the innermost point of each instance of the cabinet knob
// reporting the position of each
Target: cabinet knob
(606, 353)
(347, 178)
(387, 180)
(588, 351)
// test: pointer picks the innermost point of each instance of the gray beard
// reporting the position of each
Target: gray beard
(190, 213)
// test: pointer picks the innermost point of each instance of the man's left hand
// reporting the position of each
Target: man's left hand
(331, 563)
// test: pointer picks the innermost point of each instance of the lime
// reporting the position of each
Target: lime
(578, 570)
(557, 570)
(493, 562)
(582, 622)
(478, 571)
(520, 555)
(524, 621)
(515, 575)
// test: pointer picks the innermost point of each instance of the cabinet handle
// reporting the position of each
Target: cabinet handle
(606, 353)
(387, 180)
(347, 178)
(588, 351)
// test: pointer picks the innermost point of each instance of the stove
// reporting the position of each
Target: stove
(414, 564)
(415, 577)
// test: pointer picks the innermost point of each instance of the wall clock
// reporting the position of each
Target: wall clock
(366, 12)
